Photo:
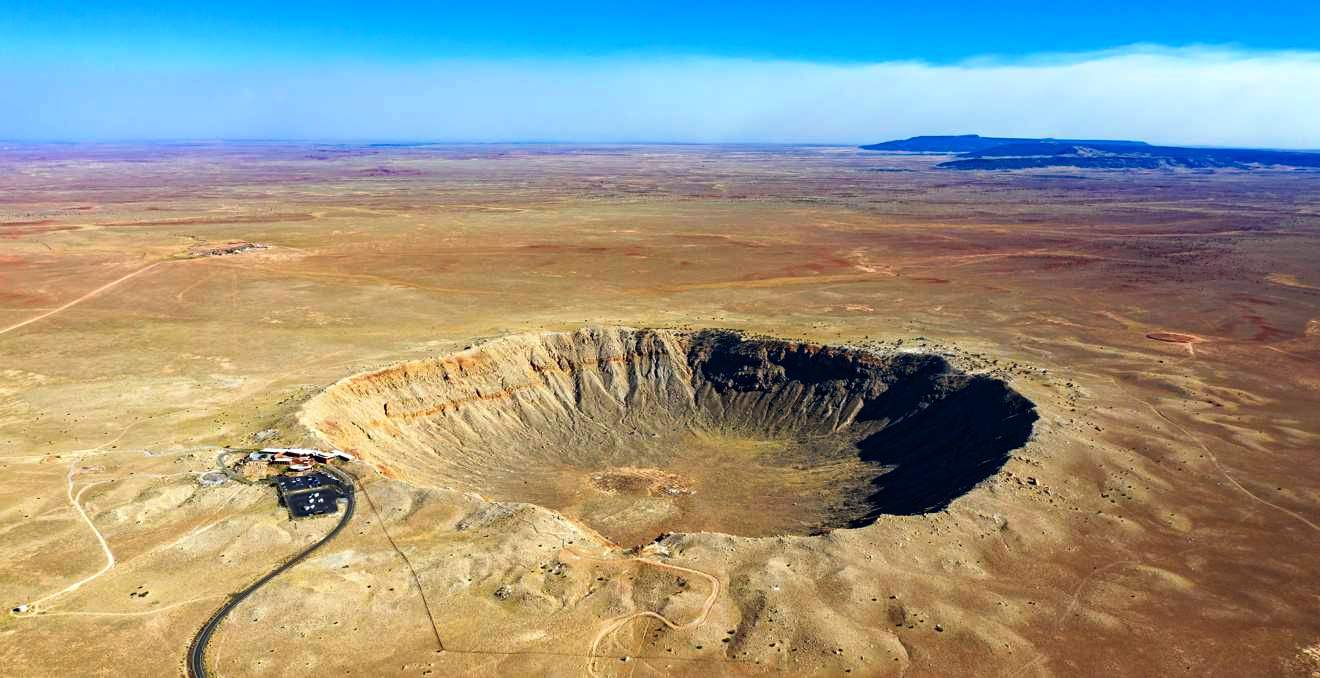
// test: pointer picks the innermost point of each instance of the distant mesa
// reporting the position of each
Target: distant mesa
(1007, 153)
(971, 143)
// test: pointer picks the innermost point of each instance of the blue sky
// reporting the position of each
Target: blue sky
(663, 71)
(939, 32)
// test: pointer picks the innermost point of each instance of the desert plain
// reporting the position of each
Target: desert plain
(160, 303)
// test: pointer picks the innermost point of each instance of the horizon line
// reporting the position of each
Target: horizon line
(385, 142)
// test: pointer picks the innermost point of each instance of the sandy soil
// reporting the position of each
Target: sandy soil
(1164, 519)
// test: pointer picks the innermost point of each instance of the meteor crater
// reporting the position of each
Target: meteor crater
(637, 432)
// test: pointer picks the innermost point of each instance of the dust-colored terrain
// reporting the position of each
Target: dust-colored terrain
(159, 303)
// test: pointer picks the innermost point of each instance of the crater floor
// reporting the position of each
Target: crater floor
(642, 432)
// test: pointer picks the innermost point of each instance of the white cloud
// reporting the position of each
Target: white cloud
(1189, 96)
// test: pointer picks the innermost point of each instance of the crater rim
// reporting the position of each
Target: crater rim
(846, 418)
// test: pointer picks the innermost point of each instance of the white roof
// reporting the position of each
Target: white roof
(308, 452)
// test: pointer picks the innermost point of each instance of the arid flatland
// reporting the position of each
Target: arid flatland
(158, 303)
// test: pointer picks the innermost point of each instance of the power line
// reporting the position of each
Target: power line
(440, 644)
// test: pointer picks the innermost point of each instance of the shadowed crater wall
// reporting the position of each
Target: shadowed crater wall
(640, 432)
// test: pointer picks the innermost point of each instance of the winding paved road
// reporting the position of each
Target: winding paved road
(197, 650)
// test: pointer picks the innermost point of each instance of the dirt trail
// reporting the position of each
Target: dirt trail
(142, 613)
(81, 299)
(1215, 460)
(75, 499)
(613, 625)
